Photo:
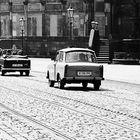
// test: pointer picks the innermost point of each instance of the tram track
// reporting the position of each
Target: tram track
(75, 110)
(89, 104)
(110, 96)
(37, 122)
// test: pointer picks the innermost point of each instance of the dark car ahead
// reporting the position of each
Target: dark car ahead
(13, 60)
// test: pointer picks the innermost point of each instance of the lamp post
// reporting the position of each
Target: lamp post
(11, 22)
(22, 29)
(70, 16)
(25, 2)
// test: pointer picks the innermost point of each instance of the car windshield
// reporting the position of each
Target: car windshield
(80, 56)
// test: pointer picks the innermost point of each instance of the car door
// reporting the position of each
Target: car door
(59, 66)
(54, 66)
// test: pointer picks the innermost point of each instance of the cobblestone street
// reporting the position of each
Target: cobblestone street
(31, 110)
(69, 69)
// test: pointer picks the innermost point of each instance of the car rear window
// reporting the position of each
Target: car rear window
(80, 56)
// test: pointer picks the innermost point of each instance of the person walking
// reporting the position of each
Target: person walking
(94, 39)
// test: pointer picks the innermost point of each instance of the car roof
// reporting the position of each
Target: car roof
(76, 49)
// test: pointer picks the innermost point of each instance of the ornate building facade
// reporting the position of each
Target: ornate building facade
(13, 10)
(47, 26)
(45, 20)
(51, 15)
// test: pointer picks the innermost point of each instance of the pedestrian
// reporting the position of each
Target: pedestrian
(14, 49)
(94, 39)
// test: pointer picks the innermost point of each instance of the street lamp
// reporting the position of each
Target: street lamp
(25, 3)
(70, 16)
(22, 22)
(11, 22)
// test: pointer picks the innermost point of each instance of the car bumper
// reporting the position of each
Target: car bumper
(15, 69)
(80, 79)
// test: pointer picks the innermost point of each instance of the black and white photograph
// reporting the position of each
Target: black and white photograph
(69, 69)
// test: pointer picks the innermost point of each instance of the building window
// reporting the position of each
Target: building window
(5, 26)
(99, 6)
(54, 25)
(53, 1)
(32, 26)
(60, 26)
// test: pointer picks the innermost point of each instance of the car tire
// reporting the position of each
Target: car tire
(27, 72)
(51, 83)
(84, 84)
(3, 72)
(21, 73)
(61, 83)
(97, 85)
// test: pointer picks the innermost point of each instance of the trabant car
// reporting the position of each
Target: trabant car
(13, 60)
(75, 65)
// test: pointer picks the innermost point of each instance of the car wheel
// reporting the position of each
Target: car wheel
(51, 83)
(61, 83)
(84, 84)
(27, 72)
(97, 85)
(21, 73)
(47, 76)
(3, 72)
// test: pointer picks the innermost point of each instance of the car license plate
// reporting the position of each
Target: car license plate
(84, 73)
(17, 65)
